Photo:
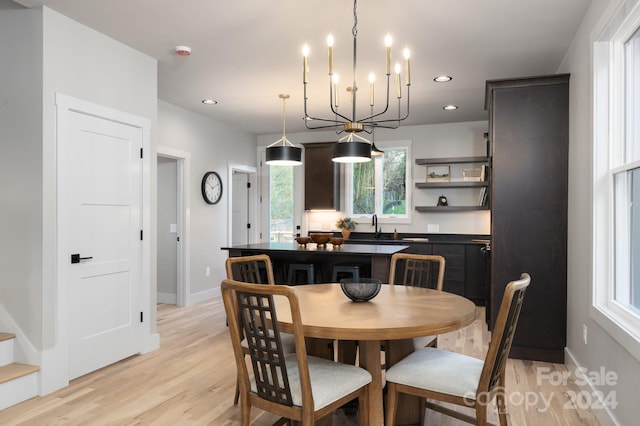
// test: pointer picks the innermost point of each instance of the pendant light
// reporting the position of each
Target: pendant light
(282, 152)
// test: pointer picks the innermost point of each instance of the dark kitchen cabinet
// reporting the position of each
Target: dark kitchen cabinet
(454, 269)
(529, 137)
(321, 177)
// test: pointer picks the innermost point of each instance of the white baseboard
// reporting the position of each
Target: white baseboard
(604, 415)
(168, 298)
(203, 295)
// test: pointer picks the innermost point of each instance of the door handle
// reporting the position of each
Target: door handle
(75, 258)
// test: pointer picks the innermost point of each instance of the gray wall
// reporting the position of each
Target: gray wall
(601, 351)
(212, 146)
(21, 160)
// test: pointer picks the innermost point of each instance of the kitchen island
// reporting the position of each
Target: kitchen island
(375, 257)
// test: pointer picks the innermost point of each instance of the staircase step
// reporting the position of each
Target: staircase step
(7, 336)
(16, 370)
(6, 348)
(18, 382)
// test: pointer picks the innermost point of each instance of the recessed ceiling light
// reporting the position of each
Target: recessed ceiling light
(442, 79)
(209, 102)
(450, 107)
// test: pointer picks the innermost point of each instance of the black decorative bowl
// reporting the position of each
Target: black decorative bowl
(360, 290)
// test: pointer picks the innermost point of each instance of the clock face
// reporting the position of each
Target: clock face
(211, 187)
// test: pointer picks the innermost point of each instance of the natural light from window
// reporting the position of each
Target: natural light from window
(381, 185)
(617, 182)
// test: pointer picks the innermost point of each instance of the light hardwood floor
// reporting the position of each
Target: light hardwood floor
(190, 380)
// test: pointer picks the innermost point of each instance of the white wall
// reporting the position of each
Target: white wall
(212, 146)
(437, 140)
(601, 351)
(21, 168)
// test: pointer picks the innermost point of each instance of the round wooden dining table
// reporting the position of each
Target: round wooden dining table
(396, 315)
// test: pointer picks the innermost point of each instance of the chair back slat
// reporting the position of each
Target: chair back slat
(503, 332)
(259, 322)
(418, 270)
(248, 269)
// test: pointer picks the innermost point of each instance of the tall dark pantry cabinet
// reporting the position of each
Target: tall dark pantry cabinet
(529, 139)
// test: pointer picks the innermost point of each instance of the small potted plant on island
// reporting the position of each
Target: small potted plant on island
(346, 225)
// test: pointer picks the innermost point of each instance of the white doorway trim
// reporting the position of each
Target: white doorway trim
(251, 171)
(184, 221)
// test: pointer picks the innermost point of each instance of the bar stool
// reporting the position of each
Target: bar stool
(308, 268)
(352, 270)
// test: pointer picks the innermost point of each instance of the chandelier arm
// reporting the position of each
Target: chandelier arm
(331, 104)
(399, 119)
(310, 117)
(386, 108)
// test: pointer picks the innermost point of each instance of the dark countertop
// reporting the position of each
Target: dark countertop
(353, 249)
(357, 238)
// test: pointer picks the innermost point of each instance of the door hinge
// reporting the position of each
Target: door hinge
(141, 235)
(141, 153)
(141, 317)
(248, 226)
(248, 185)
(178, 238)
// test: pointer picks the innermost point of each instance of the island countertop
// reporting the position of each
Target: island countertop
(376, 257)
(329, 249)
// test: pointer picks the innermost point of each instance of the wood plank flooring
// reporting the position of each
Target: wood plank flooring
(190, 380)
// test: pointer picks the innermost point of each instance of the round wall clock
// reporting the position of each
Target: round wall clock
(211, 187)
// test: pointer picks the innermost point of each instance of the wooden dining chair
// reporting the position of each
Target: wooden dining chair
(418, 270)
(255, 269)
(297, 386)
(440, 375)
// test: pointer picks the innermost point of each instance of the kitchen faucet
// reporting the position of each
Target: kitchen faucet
(374, 223)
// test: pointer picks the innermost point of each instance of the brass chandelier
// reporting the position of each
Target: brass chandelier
(353, 148)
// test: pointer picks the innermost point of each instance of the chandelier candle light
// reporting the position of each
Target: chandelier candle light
(282, 152)
(353, 148)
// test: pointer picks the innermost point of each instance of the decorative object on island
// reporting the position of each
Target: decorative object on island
(336, 241)
(346, 225)
(303, 241)
(353, 148)
(321, 238)
(442, 201)
(211, 187)
(282, 152)
(438, 173)
(360, 290)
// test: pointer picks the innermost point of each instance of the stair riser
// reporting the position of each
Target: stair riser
(6, 352)
(18, 390)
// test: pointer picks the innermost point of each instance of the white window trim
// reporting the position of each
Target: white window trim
(388, 219)
(608, 113)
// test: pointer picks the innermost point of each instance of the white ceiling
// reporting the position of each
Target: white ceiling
(247, 52)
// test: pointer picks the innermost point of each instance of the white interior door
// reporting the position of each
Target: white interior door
(103, 188)
(240, 218)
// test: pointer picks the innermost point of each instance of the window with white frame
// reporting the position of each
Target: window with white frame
(617, 182)
(381, 186)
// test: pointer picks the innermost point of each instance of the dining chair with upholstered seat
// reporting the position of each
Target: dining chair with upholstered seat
(418, 270)
(255, 269)
(436, 374)
(297, 386)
